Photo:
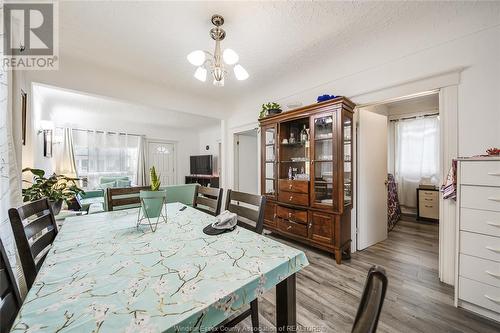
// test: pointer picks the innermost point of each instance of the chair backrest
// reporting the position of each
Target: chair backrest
(123, 198)
(249, 208)
(34, 228)
(371, 303)
(10, 301)
(208, 199)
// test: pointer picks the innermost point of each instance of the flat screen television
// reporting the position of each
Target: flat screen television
(201, 165)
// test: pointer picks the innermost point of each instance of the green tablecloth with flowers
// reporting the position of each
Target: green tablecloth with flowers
(103, 274)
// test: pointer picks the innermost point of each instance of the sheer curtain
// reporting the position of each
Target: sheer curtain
(65, 161)
(416, 156)
(100, 154)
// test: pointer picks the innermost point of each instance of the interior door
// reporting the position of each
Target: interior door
(161, 155)
(371, 178)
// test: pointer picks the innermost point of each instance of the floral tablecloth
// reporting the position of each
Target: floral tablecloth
(103, 274)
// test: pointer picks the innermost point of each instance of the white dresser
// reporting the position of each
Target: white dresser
(477, 276)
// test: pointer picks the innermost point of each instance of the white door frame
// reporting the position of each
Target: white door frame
(232, 173)
(447, 85)
(147, 141)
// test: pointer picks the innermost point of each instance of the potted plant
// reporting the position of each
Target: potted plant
(152, 201)
(57, 188)
(270, 108)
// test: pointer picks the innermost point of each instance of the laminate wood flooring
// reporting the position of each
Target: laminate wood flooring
(328, 294)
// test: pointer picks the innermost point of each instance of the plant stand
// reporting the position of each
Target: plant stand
(144, 219)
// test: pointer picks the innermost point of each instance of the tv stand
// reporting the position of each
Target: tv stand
(203, 180)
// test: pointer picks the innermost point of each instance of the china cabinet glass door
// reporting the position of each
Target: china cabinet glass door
(323, 162)
(347, 149)
(269, 174)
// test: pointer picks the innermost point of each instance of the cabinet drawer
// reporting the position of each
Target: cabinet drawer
(429, 210)
(301, 199)
(479, 293)
(480, 221)
(480, 197)
(298, 186)
(480, 173)
(294, 215)
(482, 246)
(298, 229)
(482, 270)
(270, 214)
(426, 194)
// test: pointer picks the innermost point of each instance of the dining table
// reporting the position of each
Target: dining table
(106, 274)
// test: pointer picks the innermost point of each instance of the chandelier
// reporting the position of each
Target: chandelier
(215, 63)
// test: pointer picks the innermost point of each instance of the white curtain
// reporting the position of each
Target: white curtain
(65, 161)
(416, 156)
(141, 162)
(100, 154)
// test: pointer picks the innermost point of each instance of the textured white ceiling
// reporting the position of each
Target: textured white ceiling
(151, 39)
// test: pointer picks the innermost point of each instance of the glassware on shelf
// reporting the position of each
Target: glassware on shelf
(304, 136)
(292, 138)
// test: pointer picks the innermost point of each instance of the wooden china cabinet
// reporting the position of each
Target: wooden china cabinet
(306, 168)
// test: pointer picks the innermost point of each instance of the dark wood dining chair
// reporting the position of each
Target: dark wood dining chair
(208, 199)
(126, 197)
(249, 208)
(34, 228)
(10, 301)
(250, 211)
(371, 302)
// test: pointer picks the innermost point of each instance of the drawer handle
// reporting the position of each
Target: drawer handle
(494, 199)
(493, 274)
(290, 186)
(309, 225)
(289, 227)
(494, 173)
(429, 206)
(289, 214)
(427, 199)
(493, 224)
(493, 249)
(496, 300)
(291, 198)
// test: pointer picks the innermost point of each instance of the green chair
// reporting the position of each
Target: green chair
(181, 193)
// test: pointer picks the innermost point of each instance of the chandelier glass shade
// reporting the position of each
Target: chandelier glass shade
(217, 62)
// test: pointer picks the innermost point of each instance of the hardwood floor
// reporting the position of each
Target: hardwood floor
(328, 294)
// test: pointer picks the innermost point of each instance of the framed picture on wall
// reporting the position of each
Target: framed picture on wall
(23, 116)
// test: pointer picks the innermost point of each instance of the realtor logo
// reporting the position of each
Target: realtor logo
(30, 35)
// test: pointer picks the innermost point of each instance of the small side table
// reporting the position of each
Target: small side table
(428, 204)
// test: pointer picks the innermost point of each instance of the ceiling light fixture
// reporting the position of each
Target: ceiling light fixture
(206, 61)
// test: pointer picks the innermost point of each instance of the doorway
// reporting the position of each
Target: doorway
(398, 155)
(246, 162)
(162, 155)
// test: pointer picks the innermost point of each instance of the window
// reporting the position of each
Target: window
(101, 154)
(416, 156)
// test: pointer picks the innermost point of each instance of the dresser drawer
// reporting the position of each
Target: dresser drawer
(298, 186)
(480, 221)
(298, 229)
(428, 210)
(299, 216)
(300, 199)
(480, 173)
(482, 246)
(480, 294)
(482, 270)
(480, 197)
(429, 195)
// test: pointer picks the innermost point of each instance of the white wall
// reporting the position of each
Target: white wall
(211, 137)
